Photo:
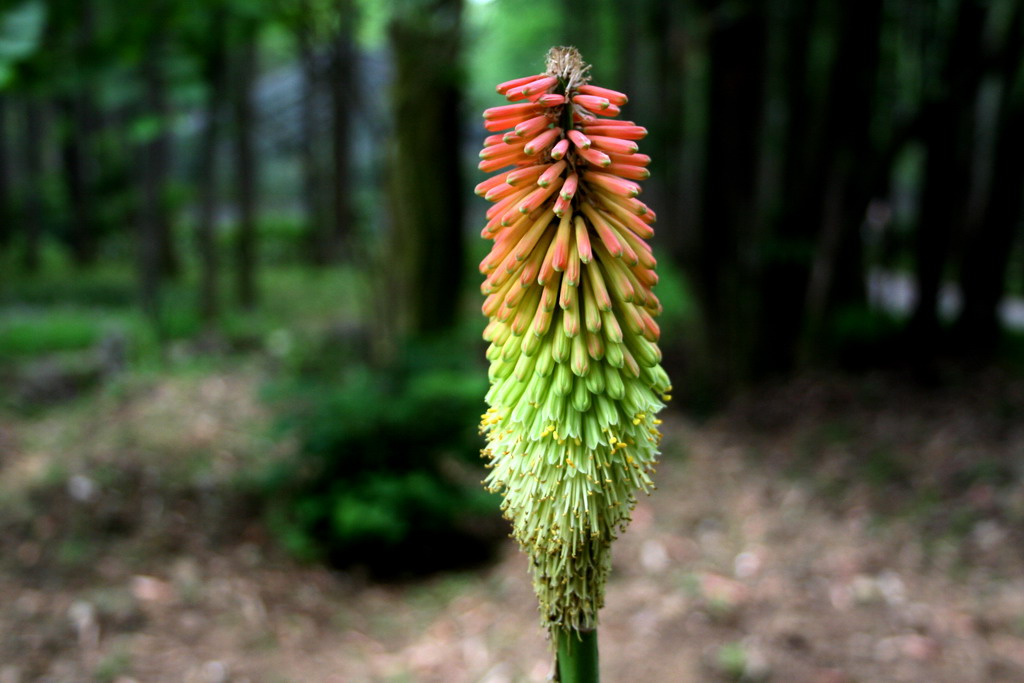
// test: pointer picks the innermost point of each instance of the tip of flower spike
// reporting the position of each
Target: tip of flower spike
(567, 64)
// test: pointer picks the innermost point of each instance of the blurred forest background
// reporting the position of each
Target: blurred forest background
(241, 367)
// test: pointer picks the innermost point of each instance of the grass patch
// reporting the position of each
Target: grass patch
(34, 332)
(58, 310)
(114, 665)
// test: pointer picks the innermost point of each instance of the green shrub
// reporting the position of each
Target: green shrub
(387, 468)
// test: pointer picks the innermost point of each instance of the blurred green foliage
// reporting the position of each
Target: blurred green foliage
(21, 28)
(27, 334)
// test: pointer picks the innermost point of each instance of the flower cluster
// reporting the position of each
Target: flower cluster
(575, 375)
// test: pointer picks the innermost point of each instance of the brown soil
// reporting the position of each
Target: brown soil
(821, 531)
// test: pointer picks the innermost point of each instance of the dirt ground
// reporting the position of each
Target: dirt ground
(825, 531)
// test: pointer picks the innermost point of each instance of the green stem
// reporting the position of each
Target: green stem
(577, 656)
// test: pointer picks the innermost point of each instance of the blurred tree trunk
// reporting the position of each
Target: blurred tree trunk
(850, 167)
(76, 114)
(987, 254)
(666, 20)
(313, 177)
(813, 257)
(343, 103)
(168, 263)
(158, 154)
(246, 171)
(155, 254)
(787, 251)
(6, 182)
(580, 28)
(32, 213)
(426, 178)
(725, 281)
(628, 19)
(149, 235)
(215, 77)
(948, 136)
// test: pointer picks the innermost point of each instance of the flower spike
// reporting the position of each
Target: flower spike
(576, 383)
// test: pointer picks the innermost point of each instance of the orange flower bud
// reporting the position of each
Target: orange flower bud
(517, 82)
(611, 95)
(560, 148)
(579, 139)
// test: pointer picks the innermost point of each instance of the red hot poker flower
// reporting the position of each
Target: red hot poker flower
(575, 375)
